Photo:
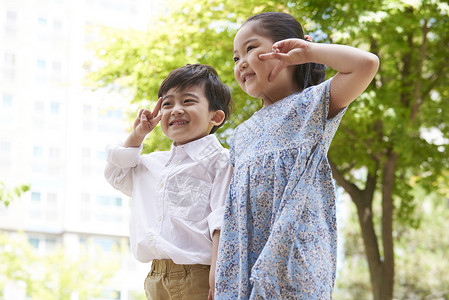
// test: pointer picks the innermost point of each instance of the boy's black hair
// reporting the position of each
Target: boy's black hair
(216, 92)
(280, 26)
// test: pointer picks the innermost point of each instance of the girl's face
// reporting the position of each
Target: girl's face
(252, 73)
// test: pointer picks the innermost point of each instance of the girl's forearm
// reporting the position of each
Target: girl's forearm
(356, 69)
(344, 59)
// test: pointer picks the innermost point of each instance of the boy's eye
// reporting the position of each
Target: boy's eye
(236, 59)
(250, 48)
(189, 101)
(166, 103)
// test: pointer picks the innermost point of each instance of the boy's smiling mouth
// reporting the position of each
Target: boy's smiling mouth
(178, 122)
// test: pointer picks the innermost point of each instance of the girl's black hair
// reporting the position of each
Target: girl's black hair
(280, 26)
(216, 92)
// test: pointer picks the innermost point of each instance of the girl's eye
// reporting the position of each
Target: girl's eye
(250, 48)
(189, 101)
(166, 104)
(236, 59)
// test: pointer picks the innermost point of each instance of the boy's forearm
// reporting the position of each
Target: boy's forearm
(213, 263)
(215, 241)
(133, 140)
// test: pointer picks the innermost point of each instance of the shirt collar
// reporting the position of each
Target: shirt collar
(197, 149)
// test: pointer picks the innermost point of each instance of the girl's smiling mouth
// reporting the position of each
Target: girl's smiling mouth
(247, 76)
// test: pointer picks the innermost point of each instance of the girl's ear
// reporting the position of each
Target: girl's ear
(217, 118)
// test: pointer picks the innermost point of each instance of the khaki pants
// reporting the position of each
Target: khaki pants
(168, 280)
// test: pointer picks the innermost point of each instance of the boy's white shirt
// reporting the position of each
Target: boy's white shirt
(178, 197)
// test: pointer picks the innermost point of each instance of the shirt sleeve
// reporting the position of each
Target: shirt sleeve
(120, 162)
(220, 186)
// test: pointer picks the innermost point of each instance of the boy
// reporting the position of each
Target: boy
(177, 195)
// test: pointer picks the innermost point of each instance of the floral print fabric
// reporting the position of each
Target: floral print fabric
(279, 236)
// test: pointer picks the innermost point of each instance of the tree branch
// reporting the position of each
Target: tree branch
(349, 187)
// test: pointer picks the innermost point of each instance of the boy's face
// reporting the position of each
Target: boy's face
(185, 115)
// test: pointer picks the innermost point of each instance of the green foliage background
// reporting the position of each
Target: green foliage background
(380, 153)
(56, 275)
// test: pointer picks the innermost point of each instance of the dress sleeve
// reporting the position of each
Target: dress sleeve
(220, 186)
(120, 162)
(317, 102)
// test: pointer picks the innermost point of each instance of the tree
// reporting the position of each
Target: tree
(9, 194)
(389, 151)
(383, 145)
(55, 275)
(420, 253)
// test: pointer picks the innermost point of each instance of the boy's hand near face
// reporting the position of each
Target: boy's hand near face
(145, 122)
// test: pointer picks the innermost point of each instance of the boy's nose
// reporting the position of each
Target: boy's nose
(177, 110)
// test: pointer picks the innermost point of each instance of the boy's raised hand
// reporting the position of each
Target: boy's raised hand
(288, 52)
(146, 119)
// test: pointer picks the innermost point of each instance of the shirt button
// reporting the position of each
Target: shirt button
(159, 218)
(175, 162)
(150, 238)
(161, 184)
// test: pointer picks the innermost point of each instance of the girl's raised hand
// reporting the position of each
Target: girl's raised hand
(288, 52)
(146, 120)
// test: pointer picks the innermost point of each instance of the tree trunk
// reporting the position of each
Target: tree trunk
(387, 225)
(365, 215)
(381, 268)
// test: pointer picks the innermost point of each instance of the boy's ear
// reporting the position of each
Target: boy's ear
(217, 118)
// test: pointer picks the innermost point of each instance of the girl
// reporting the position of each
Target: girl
(279, 236)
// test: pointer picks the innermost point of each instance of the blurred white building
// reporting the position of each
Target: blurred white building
(53, 131)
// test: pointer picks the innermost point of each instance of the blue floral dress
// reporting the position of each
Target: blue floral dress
(279, 237)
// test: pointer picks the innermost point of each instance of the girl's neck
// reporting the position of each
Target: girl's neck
(270, 99)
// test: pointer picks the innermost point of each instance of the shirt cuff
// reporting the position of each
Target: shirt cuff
(123, 157)
(215, 220)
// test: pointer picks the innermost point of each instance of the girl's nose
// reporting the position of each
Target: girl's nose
(243, 64)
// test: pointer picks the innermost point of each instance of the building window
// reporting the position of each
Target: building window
(35, 197)
(101, 155)
(52, 199)
(85, 199)
(106, 244)
(41, 64)
(7, 101)
(42, 21)
(54, 153)
(34, 242)
(11, 16)
(39, 106)
(57, 24)
(85, 153)
(109, 201)
(5, 147)
(54, 108)
(37, 151)
(10, 59)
